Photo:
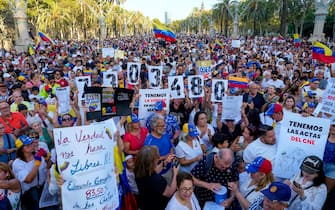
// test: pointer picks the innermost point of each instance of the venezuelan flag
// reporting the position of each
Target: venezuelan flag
(218, 44)
(296, 40)
(45, 38)
(322, 53)
(163, 32)
(237, 82)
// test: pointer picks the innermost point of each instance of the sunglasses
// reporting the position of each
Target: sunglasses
(66, 119)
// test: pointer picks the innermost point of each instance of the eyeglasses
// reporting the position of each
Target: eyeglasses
(66, 119)
(35, 136)
(186, 190)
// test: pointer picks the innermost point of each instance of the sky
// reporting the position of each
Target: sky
(177, 9)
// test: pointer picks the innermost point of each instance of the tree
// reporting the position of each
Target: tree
(283, 18)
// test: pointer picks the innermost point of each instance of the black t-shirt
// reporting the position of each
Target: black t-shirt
(180, 113)
(231, 135)
(151, 190)
(258, 100)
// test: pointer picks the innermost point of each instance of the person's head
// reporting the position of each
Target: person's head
(4, 109)
(289, 102)
(146, 161)
(6, 172)
(253, 88)
(275, 111)
(35, 137)
(314, 83)
(130, 162)
(271, 89)
(17, 96)
(320, 74)
(157, 124)
(185, 185)
(224, 159)
(190, 131)
(160, 108)
(24, 145)
(23, 109)
(250, 133)
(261, 172)
(267, 134)
(200, 118)
(274, 75)
(35, 124)
(133, 121)
(312, 170)
(276, 196)
(220, 140)
(67, 120)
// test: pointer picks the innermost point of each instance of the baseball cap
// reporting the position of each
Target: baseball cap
(160, 105)
(278, 191)
(128, 157)
(311, 105)
(23, 141)
(190, 130)
(260, 164)
(273, 108)
(132, 118)
(314, 79)
(311, 164)
(310, 93)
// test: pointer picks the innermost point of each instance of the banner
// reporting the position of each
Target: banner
(155, 76)
(299, 137)
(196, 87)
(176, 86)
(85, 158)
(133, 72)
(63, 96)
(110, 79)
(219, 88)
(107, 52)
(81, 82)
(148, 100)
(231, 107)
(328, 99)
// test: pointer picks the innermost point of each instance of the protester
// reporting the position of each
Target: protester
(206, 131)
(11, 188)
(329, 159)
(184, 198)
(308, 186)
(154, 191)
(8, 149)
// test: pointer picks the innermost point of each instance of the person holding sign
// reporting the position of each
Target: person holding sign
(154, 191)
(308, 186)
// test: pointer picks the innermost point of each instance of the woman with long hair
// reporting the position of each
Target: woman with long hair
(308, 186)
(250, 188)
(206, 131)
(11, 188)
(289, 104)
(154, 191)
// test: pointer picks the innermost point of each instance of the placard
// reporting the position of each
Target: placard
(204, 67)
(155, 76)
(110, 79)
(119, 54)
(81, 82)
(196, 86)
(219, 88)
(299, 137)
(133, 73)
(93, 103)
(231, 107)
(85, 158)
(107, 52)
(236, 44)
(328, 99)
(63, 97)
(148, 100)
(176, 86)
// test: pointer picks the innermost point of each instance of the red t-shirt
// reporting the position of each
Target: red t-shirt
(17, 121)
(136, 143)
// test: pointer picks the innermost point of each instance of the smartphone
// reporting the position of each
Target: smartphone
(176, 163)
(296, 184)
(249, 99)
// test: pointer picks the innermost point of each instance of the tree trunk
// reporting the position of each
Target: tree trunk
(283, 18)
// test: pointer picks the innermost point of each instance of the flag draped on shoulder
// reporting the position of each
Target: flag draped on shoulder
(322, 53)
(161, 31)
(45, 38)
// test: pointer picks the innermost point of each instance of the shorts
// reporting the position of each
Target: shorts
(329, 169)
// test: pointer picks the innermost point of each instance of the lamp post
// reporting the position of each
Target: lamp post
(320, 18)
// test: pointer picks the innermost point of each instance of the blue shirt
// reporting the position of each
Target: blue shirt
(171, 123)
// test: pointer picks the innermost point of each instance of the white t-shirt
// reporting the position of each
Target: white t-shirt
(205, 138)
(183, 150)
(278, 83)
(21, 170)
(258, 148)
(174, 204)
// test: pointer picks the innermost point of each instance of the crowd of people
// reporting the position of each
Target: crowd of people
(182, 155)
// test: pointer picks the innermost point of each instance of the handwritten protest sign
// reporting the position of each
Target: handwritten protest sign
(155, 76)
(328, 100)
(85, 160)
(176, 85)
(63, 96)
(219, 88)
(299, 137)
(231, 107)
(148, 100)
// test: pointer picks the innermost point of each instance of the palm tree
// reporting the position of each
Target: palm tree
(283, 18)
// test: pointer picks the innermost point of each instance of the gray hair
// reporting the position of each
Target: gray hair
(154, 119)
(226, 154)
